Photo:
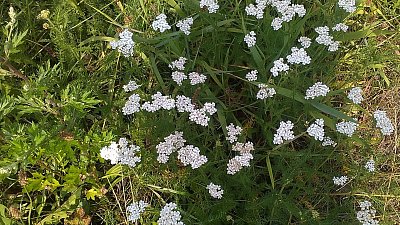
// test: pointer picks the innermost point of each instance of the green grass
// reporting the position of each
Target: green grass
(61, 99)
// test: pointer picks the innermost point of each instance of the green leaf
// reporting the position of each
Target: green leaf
(3, 218)
(331, 111)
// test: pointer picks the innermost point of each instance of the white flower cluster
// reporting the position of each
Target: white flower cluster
(383, 122)
(355, 95)
(169, 215)
(328, 142)
(284, 132)
(161, 23)
(317, 90)
(250, 39)
(178, 77)
(135, 209)
(178, 64)
(159, 102)
(215, 190)
(305, 42)
(197, 78)
(125, 44)
(265, 92)
(316, 130)
(121, 153)
(202, 116)
(212, 5)
(366, 214)
(131, 86)
(252, 75)
(279, 66)
(256, 10)
(184, 104)
(324, 38)
(171, 143)
(243, 148)
(185, 25)
(190, 155)
(346, 127)
(132, 105)
(340, 27)
(340, 181)
(370, 165)
(233, 132)
(348, 5)
(238, 162)
(287, 11)
(298, 56)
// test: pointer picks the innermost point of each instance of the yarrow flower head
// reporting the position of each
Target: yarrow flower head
(178, 77)
(383, 122)
(190, 155)
(178, 64)
(250, 39)
(340, 181)
(243, 148)
(366, 214)
(185, 25)
(324, 38)
(328, 142)
(184, 104)
(346, 127)
(169, 215)
(256, 10)
(252, 75)
(212, 5)
(201, 116)
(348, 5)
(132, 105)
(355, 95)
(171, 143)
(298, 56)
(121, 153)
(125, 44)
(159, 102)
(131, 86)
(161, 23)
(215, 190)
(316, 130)
(279, 66)
(284, 132)
(265, 92)
(340, 27)
(317, 90)
(370, 165)
(135, 209)
(287, 12)
(197, 78)
(233, 132)
(238, 162)
(305, 42)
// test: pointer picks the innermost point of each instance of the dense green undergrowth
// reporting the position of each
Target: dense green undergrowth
(61, 100)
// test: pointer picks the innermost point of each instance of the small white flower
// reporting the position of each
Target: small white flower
(333, 46)
(215, 190)
(279, 66)
(252, 75)
(190, 155)
(265, 92)
(121, 153)
(132, 105)
(277, 23)
(305, 42)
(316, 130)
(171, 143)
(348, 5)
(355, 95)
(284, 132)
(233, 132)
(298, 56)
(212, 5)
(366, 214)
(250, 39)
(135, 209)
(238, 162)
(178, 64)
(159, 102)
(161, 23)
(169, 215)
(383, 122)
(131, 86)
(256, 10)
(370, 165)
(317, 90)
(125, 44)
(340, 27)
(197, 78)
(209, 107)
(328, 142)
(185, 25)
(243, 148)
(340, 181)
(346, 127)
(178, 77)
(184, 104)
(199, 116)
